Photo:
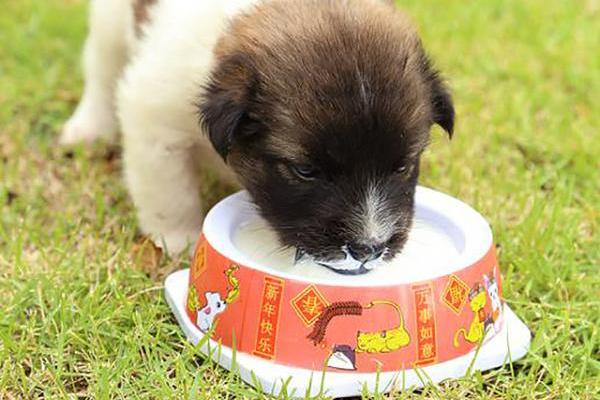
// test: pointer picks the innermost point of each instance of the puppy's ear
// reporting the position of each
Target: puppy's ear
(443, 106)
(441, 100)
(225, 103)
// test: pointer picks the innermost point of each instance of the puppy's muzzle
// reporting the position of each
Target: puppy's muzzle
(359, 259)
(365, 252)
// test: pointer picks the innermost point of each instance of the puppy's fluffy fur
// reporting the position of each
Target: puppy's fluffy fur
(321, 108)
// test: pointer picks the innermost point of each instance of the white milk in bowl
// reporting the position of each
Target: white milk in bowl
(430, 251)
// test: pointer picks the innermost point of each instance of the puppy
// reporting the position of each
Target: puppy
(321, 108)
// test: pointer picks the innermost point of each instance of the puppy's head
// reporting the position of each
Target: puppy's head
(323, 109)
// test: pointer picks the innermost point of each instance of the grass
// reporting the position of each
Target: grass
(83, 316)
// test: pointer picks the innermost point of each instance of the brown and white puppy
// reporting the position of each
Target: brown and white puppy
(322, 109)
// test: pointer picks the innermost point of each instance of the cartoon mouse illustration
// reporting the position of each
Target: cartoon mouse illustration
(477, 328)
(215, 305)
(343, 356)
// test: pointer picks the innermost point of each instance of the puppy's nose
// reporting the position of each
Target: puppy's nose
(365, 252)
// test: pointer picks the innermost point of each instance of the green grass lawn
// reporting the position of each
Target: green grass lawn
(82, 315)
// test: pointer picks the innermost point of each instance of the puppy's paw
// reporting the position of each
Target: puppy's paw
(85, 127)
(176, 242)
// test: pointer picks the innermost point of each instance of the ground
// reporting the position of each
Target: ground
(83, 313)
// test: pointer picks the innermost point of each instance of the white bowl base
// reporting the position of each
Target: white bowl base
(510, 344)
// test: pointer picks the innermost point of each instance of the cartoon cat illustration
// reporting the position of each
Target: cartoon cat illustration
(206, 315)
(343, 356)
(491, 286)
(476, 332)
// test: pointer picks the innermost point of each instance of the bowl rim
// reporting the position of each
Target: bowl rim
(220, 223)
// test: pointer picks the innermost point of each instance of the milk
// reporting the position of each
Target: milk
(428, 252)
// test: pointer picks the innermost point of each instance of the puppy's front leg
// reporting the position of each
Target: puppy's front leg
(164, 185)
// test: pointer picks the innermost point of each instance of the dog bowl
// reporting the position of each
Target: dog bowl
(435, 313)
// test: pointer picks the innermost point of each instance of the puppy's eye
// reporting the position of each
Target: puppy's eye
(404, 170)
(306, 172)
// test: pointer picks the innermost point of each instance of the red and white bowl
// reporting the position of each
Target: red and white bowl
(337, 333)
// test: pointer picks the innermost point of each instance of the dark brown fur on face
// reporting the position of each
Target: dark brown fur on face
(341, 89)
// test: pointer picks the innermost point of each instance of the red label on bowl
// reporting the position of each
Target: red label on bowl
(361, 329)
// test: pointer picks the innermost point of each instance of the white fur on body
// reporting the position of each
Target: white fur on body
(150, 85)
